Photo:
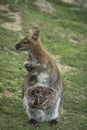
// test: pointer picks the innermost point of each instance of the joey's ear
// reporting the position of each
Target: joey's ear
(35, 35)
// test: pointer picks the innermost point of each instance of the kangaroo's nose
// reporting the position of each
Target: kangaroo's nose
(17, 47)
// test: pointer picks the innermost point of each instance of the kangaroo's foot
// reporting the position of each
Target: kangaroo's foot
(53, 122)
(33, 122)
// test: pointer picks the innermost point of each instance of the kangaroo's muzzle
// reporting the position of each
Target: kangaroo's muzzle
(17, 46)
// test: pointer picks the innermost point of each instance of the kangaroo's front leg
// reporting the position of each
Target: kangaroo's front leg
(30, 67)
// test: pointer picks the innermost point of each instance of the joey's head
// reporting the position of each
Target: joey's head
(29, 42)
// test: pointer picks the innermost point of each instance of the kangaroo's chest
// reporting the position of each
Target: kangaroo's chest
(42, 73)
(43, 78)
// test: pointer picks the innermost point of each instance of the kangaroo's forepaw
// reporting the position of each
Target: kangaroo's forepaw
(53, 122)
(33, 122)
(29, 67)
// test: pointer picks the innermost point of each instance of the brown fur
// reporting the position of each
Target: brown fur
(42, 97)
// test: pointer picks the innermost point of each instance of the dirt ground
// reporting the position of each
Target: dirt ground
(45, 6)
(82, 3)
(16, 25)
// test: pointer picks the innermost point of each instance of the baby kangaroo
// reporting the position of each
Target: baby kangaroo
(43, 90)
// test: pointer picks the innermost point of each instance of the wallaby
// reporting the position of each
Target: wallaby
(43, 90)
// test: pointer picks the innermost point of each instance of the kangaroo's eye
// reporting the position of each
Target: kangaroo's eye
(25, 41)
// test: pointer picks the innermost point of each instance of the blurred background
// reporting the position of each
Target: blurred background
(63, 32)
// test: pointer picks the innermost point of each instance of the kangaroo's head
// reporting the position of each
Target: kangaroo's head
(29, 42)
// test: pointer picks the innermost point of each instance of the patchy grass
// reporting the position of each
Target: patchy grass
(63, 33)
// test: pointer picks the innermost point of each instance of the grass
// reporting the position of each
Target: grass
(63, 33)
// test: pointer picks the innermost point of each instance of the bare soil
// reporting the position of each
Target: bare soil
(44, 5)
(81, 3)
(16, 25)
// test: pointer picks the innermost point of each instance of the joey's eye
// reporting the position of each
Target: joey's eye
(25, 41)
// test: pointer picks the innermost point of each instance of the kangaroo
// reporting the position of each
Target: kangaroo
(43, 90)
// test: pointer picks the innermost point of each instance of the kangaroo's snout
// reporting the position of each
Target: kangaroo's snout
(17, 46)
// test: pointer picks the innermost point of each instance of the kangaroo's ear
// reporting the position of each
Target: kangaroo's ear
(35, 35)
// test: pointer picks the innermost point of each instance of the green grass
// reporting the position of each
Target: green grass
(63, 33)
